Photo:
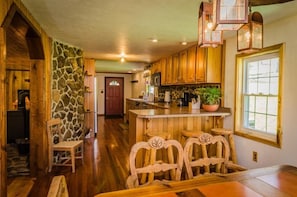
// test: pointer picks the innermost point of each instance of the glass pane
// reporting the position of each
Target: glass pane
(263, 86)
(272, 105)
(260, 122)
(271, 125)
(252, 86)
(273, 86)
(252, 103)
(261, 104)
(274, 67)
(114, 83)
(264, 68)
(252, 70)
(251, 119)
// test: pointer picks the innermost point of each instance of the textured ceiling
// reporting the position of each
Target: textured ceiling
(106, 28)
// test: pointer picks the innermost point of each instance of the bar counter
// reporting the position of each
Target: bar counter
(172, 112)
(171, 121)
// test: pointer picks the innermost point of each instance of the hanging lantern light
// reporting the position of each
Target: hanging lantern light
(230, 14)
(206, 36)
(250, 35)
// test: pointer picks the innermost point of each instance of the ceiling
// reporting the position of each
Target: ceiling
(104, 29)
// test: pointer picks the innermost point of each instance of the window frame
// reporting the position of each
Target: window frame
(273, 140)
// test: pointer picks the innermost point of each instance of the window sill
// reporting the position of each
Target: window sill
(262, 138)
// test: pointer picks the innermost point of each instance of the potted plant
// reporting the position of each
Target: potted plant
(210, 98)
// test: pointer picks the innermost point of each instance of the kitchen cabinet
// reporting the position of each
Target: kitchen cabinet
(191, 63)
(156, 67)
(182, 66)
(191, 66)
(168, 72)
(163, 62)
(175, 68)
(208, 65)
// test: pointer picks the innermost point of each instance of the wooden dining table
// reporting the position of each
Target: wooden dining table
(274, 181)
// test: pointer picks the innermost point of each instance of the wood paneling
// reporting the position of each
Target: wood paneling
(15, 80)
(14, 54)
(89, 103)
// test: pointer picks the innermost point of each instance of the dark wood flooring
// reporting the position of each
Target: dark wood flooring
(105, 165)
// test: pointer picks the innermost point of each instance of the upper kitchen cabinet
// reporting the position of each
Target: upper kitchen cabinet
(168, 72)
(175, 68)
(209, 65)
(156, 67)
(163, 67)
(190, 67)
(182, 66)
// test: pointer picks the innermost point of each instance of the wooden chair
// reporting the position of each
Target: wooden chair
(67, 149)
(58, 187)
(155, 167)
(228, 134)
(209, 161)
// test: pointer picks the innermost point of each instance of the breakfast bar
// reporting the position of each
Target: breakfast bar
(172, 121)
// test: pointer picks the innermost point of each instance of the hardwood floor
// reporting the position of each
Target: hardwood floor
(105, 165)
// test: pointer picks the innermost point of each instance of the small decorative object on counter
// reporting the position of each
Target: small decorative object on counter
(167, 97)
(195, 103)
(210, 98)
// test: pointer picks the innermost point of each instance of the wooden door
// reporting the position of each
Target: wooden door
(114, 95)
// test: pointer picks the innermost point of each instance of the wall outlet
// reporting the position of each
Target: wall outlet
(255, 156)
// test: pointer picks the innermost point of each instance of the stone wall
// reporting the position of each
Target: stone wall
(68, 89)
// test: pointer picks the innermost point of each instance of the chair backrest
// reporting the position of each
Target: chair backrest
(206, 154)
(53, 127)
(157, 146)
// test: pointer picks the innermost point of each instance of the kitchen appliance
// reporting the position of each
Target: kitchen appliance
(156, 79)
(186, 99)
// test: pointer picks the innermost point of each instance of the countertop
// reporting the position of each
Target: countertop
(172, 110)
(160, 104)
(178, 112)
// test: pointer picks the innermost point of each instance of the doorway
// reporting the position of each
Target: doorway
(23, 68)
(114, 96)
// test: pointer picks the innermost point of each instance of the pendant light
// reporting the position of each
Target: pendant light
(250, 35)
(230, 14)
(206, 36)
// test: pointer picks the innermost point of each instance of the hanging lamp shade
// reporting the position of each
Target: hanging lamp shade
(230, 14)
(206, 36)
(250, 35)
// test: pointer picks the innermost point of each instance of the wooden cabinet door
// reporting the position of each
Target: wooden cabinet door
(163, 71)
(169, 70)
(155, 67)
(214, 65)
(201, 61)
(175, 68)
(191, 63)
(183, 58)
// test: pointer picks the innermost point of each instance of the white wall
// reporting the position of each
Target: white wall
(138, 87)
(100, 77)
(282, 31)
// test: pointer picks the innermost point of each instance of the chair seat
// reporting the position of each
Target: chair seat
(186, 133)
(68, 144)
(221, 131)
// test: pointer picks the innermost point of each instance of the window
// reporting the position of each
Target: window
(114, 83)
(258, 95)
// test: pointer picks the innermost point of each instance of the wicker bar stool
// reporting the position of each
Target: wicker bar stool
(228, 134)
